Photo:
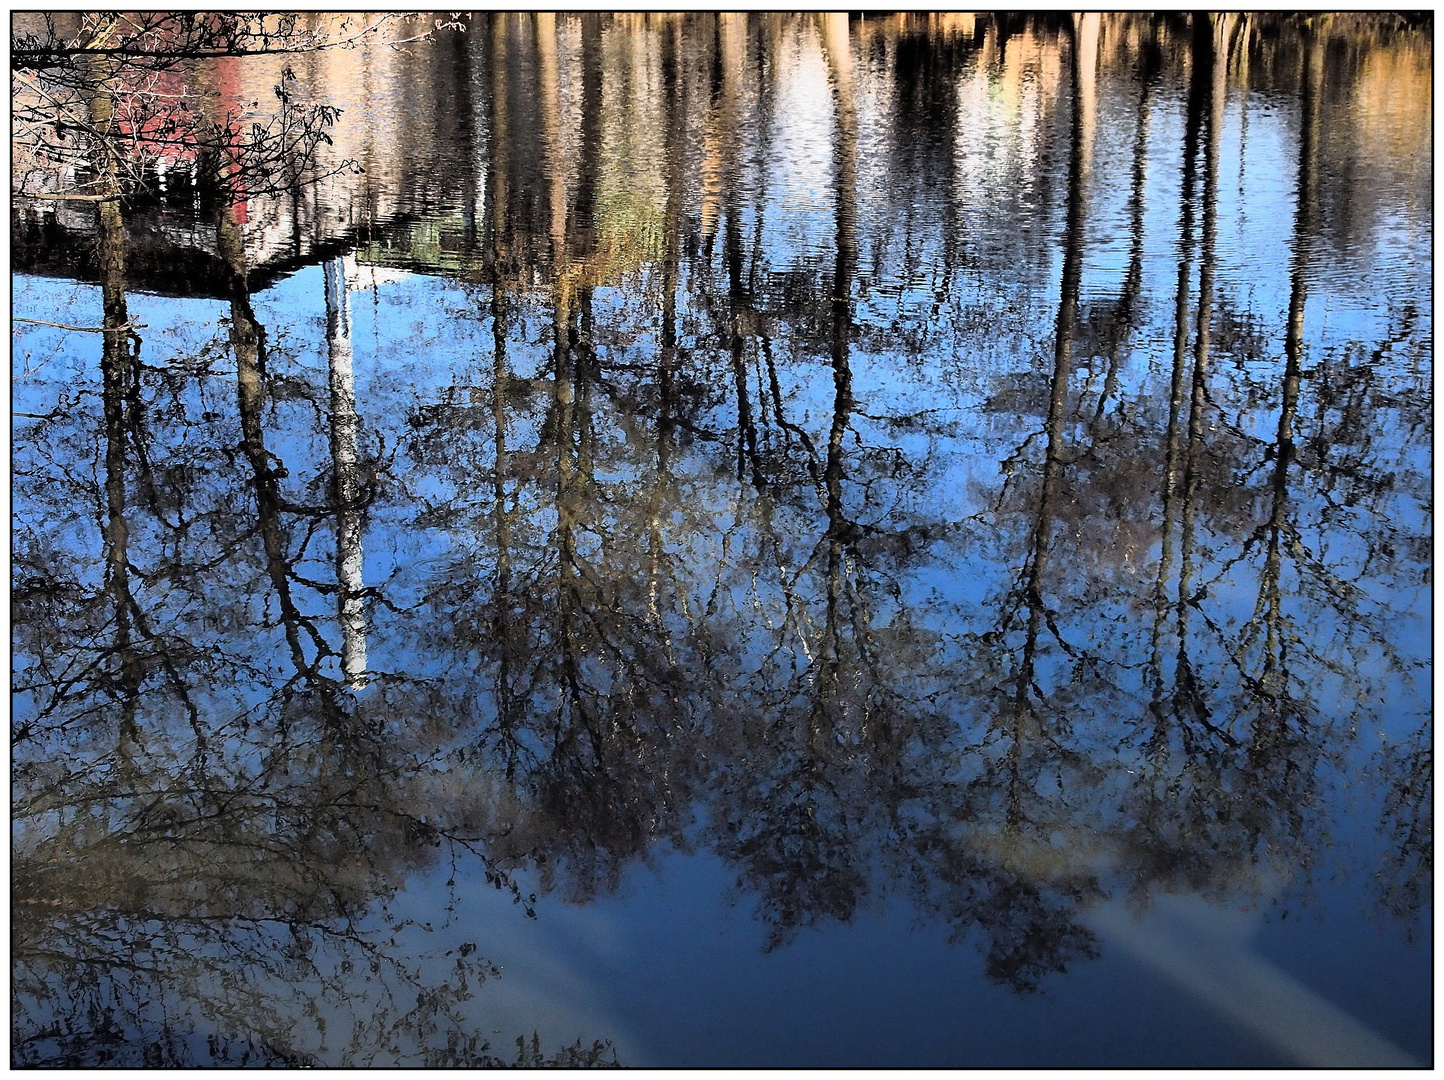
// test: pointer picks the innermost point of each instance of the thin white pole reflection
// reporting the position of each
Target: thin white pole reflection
(347, 478)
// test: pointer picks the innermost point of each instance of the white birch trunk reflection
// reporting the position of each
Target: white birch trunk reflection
(347, 480)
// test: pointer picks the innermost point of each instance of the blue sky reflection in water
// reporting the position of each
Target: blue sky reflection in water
(738, 540)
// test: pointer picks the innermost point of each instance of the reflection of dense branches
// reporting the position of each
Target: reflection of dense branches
(215, 904)
(231, 918)
(62, 64)
(1406, 881)
(605, 629)
(209, 893)
(845, 779)
(815, 736)
(586, 694)
(802, 856)
(192, 899)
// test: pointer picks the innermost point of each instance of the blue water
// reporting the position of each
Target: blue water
(803, 587)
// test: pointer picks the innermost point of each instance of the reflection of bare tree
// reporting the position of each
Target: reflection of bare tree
(1173, 440)
(602, 640)
(1028, 765)
(804, 857)
(1407, 879)
(730, 60)
(587, 697)
(346, 479)
(822, 761)
(1183, 829)
(845, 787)
(107, 83)
(1029, 590)
(248, 345)
(172, 916)
(1273, 752)
(118, 365)
(215, 890)
(1211, 49)
(191, 921)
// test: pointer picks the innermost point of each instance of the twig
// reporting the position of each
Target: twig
(64, 198)
(83, 329)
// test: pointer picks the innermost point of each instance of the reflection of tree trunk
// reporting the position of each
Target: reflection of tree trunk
(568, 377)
(674, 90)
(839, 53)
(1210, 59)
(713, 150)
(762, 126)
(503, 632)
(346, 481)
(469, 136)
(584, 223)
(839, 56)
(561, 420)
(675, 112)
(1085, 86)
(550, 108)
(568, 420)
(562, 423)
(729, 60)
(1085, 58)
(1126, 313)
(1192, 129)
(1274, 676)
(769, 46)
(118, 372)
(248, 344)
(840, 531)
(500, 151)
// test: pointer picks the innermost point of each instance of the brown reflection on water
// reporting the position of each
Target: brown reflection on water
(808, 490)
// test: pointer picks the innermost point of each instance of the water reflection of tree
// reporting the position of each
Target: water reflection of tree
(660, 588)
(587, 702)
(1234, 741)
(825, 724)
(816, 740)
(209, 825)
(112, 83)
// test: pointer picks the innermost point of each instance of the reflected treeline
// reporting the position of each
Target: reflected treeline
(878, 555)
(964, 108)
(210, 825)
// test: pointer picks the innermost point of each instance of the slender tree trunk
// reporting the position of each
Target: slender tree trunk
(1085, 66)
(1273, 678)
(118, 374)
(1173, 451)
(346, 482)
(248, 345)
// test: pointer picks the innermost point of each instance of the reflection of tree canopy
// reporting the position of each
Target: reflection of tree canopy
(686, 562)
(122, 86)
(210, 820)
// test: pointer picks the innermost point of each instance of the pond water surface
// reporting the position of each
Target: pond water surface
(744, 540)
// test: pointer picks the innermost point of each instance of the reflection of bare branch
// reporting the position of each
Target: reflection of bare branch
(126, 328)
